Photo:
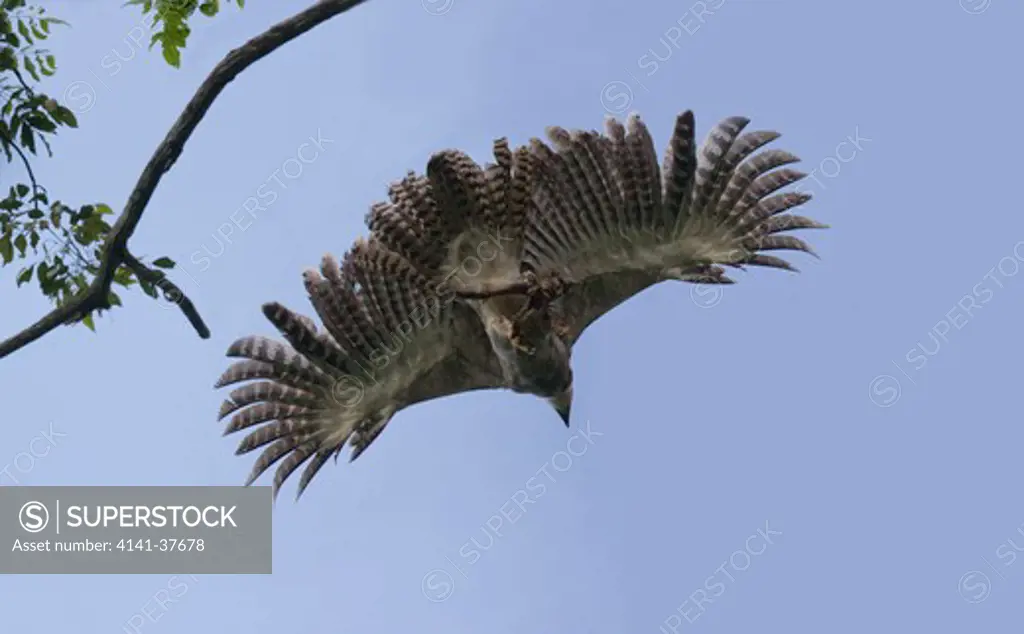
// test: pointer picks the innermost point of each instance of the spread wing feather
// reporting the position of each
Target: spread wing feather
(389, 340)
(461, 222)
(612, 222)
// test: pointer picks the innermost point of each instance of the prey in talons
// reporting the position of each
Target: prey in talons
(538, 293)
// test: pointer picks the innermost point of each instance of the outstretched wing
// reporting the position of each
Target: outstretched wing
(611, 222)
(390, 340)
(461, 224)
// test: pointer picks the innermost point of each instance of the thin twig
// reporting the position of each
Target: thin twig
(21, 80)
(36, 188)
(115, 247)
(24, 159)
(171, 291)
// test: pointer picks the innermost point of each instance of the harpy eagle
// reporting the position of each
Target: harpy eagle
(485, 277)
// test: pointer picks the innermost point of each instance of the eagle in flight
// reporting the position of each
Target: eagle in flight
(478, 277)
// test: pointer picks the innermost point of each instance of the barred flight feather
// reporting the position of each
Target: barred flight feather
(615, 210)
(459, 212)
(388, 342)
(611, 222)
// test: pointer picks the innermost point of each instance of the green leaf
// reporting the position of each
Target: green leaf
(28, 139)
(30, 67)
(172, 55)
(25, 275)
(22, 189)
(41, 122)
(87, 320)
(54, 20)
(6, 249)
(48, 72)
(65, 116)
(21, 243)
(46, 143)
(164, 263)
(123, 276)
(23, 29)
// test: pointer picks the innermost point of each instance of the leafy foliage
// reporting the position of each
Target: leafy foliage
(172, 17)
(56, 243)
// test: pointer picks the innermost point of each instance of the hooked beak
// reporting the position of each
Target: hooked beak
(563, 404)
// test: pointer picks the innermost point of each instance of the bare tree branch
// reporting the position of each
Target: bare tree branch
(171, 291)
(115, 248)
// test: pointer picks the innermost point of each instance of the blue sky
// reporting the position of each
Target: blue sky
(832, 450)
